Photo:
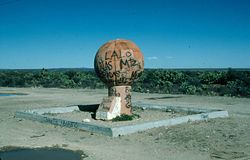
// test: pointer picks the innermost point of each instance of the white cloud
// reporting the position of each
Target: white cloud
(152, 58)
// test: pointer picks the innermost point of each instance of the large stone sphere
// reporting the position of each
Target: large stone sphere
(119, 62)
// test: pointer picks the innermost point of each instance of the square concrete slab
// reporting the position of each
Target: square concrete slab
(150, 116)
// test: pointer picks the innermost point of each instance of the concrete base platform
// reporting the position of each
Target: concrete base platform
(191, 114)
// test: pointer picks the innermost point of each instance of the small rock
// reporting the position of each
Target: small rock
(86, 120)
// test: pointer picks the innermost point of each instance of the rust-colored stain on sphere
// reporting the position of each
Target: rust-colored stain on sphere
(119, 62)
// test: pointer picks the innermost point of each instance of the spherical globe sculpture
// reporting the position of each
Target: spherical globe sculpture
(118, 63)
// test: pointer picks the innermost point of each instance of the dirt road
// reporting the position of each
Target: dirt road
(215, 139)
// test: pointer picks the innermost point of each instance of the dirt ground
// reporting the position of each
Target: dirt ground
(227, 138)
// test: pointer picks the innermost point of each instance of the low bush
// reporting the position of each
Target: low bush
(201, 82)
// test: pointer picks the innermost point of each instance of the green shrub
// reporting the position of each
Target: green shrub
(125, 117)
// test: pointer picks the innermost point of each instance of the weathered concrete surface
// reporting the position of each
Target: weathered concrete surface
(170, 108)
(124, 92)
(109, 108)
(65, 123)
(124, 130)
(121, 130)
(53, 110)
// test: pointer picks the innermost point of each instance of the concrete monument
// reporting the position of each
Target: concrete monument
(117, 63)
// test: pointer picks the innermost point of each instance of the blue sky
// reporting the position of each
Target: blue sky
(170, 33)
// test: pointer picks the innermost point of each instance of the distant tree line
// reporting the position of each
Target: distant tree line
(214, 83)
(198, 82)
(50, 79)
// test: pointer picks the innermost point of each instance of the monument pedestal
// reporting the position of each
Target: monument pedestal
(118, 102)
(125, 93)
(109, 108)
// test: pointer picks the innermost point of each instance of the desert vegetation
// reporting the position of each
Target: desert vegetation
(229, 82)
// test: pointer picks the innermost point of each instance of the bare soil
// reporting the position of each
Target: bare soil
(227, 138)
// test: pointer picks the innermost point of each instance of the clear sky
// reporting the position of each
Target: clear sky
(170, 33)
